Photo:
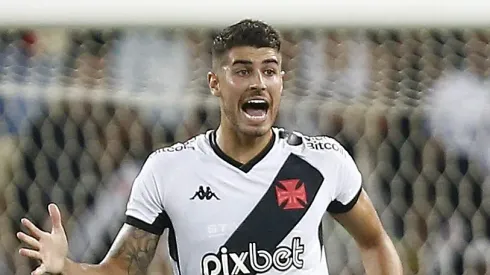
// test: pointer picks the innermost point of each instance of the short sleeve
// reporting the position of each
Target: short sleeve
(348, 188)
(145, 208)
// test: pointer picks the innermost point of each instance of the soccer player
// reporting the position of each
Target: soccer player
(246, 198)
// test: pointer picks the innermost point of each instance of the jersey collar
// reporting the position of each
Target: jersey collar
(245, 167)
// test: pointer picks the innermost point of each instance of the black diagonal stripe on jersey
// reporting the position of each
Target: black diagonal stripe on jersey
(268, 223)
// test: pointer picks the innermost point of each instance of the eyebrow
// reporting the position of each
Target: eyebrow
(270, 60)
(248, 62)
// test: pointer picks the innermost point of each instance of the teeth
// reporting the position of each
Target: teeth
(256, 101)
(256, 117)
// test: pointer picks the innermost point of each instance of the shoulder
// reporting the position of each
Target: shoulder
(189, 145)
(179, 151)
(315, 146)
(326, 145)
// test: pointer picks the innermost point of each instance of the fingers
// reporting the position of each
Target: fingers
(28, 240)
(30, 253)
(39, 271)
(36, 232)
(55, 214)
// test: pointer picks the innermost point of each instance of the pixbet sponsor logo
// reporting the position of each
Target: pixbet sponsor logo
(253, 260)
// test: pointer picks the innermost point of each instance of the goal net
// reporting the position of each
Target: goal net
(83, 104)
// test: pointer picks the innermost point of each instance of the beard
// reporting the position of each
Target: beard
(233, 118)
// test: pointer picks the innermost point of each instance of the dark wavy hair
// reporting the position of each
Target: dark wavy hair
(247, 32)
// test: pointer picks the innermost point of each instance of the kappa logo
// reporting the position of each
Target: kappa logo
(291, 194)
(204, 194)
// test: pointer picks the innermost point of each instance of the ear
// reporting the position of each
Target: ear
(213, 84)
(283, 73)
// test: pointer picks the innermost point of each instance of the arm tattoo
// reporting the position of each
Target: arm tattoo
(136, 251)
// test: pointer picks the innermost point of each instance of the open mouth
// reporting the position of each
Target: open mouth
(255, 108)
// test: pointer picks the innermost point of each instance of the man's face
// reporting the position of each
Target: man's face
(249, 82)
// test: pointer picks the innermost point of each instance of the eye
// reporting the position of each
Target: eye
(242, 72)
(270, 72)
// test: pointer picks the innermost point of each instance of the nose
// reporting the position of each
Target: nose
(258, 82)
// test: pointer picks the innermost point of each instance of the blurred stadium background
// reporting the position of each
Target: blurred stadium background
(81, 108)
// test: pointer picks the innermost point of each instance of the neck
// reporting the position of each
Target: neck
(240, 147)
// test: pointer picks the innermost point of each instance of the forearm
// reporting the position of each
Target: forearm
(381, 258)
(73, 268)
(131, 254)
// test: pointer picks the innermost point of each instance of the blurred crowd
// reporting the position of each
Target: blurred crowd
(366, 88)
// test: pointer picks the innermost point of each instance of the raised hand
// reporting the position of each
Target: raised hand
(49, 248)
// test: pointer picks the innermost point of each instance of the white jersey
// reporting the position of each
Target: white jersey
(261, 217)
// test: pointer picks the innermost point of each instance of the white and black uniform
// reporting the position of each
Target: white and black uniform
(260, 217)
